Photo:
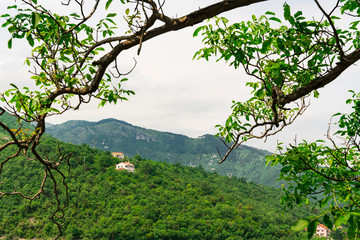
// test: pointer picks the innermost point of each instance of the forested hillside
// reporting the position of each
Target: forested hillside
(158, 201)
(119, 136)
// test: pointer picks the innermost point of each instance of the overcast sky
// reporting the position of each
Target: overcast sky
(179, 95)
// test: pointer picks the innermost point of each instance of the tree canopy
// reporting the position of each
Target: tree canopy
(290, 58)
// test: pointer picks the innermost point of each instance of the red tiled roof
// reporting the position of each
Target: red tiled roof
(323, 226)
(117, 153)
(127, 163)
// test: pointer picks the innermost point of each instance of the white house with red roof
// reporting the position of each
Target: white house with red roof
(322, 231)
(118, 155)
(125, 166)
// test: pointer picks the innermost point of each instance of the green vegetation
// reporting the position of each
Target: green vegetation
(290, 58)
(73, 59)
(115, 135)
(333, 171)
(158, 201)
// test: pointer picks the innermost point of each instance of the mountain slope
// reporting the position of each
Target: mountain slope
(158, 201)
(119, 136)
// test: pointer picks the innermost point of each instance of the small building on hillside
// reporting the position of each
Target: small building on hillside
(125, 166)
(118, 155)
(322, 231)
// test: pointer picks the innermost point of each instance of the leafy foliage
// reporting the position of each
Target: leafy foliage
(328, 170)
(61, 58)
(290, 58)
(288, 62)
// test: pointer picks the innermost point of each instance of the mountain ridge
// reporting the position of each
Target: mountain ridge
(119, 136)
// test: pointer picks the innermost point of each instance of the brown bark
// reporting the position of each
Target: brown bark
(324, 80)
(127, 42)
(176, 24)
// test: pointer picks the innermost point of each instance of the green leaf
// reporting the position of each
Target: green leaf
(297, 14)
(270, 13)
(300, 225)
(111, 15)
(340, 220)
(110, 20)
(354, 25)
(316, 94)
(71, 70)
(127, 11)
(287, 14)
(14, 86)
(265, 46)
(325, 201)
(357, 214)
(13, 6)
(68, 51)
(35, 19)
(196, 32)
(10, 43)
(352, 228)
(107, 5)
(328, 222)
(275, 19)
(286, 169)
(30, 40)
(27, 62)
(312, 228)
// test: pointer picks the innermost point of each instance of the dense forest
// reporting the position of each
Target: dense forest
(158, 201)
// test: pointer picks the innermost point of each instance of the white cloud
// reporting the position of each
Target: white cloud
(176, 94)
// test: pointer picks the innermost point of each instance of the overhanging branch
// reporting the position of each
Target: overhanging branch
(323, 80)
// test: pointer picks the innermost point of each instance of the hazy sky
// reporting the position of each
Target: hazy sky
(179, 95)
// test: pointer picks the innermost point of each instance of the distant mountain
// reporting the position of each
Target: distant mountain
(119, 136)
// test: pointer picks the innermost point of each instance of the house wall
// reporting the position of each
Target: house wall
(322, 231)
(125, 165)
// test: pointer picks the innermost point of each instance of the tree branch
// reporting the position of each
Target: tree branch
(323, 80)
